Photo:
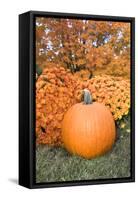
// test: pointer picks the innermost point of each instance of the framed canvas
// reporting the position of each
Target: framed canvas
(76, 99)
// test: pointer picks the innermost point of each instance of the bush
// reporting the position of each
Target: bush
(54, 95)
(57, 90)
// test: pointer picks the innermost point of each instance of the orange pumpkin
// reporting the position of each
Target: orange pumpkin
(88, 128)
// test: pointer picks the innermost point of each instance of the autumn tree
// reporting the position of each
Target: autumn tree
(84, 44)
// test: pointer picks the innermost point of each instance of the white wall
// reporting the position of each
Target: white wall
(9, 11)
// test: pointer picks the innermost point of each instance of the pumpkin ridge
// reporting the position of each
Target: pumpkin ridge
(94, 130)
(105, 123)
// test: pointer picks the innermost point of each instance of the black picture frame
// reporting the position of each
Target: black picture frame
(27, 99)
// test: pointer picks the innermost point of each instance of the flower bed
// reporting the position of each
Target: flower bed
(57, 90)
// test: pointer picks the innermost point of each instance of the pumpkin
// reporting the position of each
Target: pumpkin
(88, 128)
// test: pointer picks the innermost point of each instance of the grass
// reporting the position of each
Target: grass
(56, 164)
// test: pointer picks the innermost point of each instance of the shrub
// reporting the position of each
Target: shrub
(54, 95)
(57, 90)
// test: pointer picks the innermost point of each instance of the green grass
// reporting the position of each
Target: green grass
(56, 164)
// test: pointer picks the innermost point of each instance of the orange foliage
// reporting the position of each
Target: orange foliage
(54, 95)
(99, 46)
(57, 90)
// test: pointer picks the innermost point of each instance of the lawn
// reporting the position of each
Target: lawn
(56, 164)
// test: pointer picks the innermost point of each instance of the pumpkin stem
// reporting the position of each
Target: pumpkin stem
(87, 96)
